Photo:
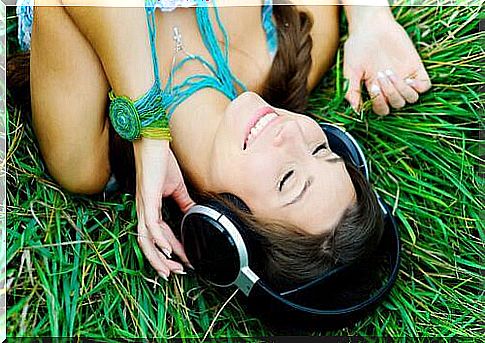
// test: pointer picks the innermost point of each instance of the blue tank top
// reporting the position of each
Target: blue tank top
(158, 104)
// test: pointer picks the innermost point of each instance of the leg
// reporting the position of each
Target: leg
(69, 98)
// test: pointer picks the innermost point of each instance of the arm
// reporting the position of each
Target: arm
(130, 73)
(379, 53)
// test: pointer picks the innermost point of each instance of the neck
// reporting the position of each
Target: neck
(194, 124)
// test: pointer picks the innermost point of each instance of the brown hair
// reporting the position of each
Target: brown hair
(286, 86)
(18, 78)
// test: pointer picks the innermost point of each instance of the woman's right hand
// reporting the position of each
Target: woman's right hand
(158, 175)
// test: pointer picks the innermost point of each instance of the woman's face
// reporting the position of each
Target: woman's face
(281, 166)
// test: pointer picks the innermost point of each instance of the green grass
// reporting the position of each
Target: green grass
(74, 267)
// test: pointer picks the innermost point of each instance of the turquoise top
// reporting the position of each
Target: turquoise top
(149, 116)
(25, 16)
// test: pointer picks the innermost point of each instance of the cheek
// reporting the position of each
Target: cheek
(253, 176)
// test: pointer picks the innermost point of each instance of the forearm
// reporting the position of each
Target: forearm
(359, 16)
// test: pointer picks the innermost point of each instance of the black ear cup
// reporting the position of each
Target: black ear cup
(209, 246)
(254, 241)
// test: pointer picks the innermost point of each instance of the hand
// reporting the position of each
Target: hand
(158, 175)
(380, 53)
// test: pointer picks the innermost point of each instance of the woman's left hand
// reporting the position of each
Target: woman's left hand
(380, 53)
(159, 176)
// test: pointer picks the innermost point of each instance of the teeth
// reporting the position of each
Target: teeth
(261, 123)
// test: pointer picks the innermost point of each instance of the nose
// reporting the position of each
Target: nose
(288, 135)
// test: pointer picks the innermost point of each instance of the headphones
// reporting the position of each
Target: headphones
(226, 253)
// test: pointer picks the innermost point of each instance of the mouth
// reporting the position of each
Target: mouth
(261, 120)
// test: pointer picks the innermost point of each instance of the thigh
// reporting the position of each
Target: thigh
(69, 100)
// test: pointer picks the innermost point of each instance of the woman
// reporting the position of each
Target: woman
(280, 169)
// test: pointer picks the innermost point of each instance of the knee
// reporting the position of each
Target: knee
(82, 179)
(82, 186)
(77, 173)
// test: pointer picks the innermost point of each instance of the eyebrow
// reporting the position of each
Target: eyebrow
(307, 185)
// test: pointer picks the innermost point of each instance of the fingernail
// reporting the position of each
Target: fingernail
(163, 276)
(180, 272)
(380, 75)
(353, 104)
(409, 81)
(167, 252)
(385, 113)
(389, 72)
(190, 266)
(375, 89)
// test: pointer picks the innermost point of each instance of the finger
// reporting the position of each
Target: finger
(177, 247)
(420, 82)
(406, 91)
(175, 267)
(153, 222)
(182, 197)
(379, 104)
(160, 240)
(393, 97)
(353, 95)
(154, 227)
(150, 251)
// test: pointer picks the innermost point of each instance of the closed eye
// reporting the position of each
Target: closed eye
(319, 148)
(284, 179)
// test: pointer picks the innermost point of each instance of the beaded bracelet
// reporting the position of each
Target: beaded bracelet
(144, 117)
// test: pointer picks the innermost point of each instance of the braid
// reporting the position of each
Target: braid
(286, 86)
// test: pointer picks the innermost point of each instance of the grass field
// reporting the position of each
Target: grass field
(74, 267)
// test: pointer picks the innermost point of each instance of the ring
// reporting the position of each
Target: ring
(375, 90)
(389, 72)
(409, 81)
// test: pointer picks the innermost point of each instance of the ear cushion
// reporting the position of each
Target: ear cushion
(344, 145)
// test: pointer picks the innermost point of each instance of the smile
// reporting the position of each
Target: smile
(258, 123)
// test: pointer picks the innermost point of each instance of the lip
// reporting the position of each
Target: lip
(257, 115)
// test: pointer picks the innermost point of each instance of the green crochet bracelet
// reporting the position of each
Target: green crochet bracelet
(144, 117)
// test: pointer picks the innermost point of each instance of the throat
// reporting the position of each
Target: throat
(194, 125)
